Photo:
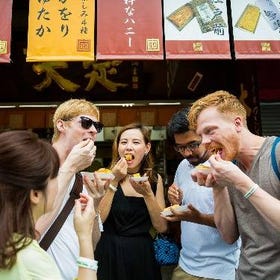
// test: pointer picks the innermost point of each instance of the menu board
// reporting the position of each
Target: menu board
(256, 28)
(196, 29)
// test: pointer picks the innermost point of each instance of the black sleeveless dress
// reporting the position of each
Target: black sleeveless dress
(125, 250)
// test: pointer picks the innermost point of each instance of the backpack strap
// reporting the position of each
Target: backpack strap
(273, 157)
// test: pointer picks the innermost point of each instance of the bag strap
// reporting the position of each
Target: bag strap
(59, 221)
(273, 157)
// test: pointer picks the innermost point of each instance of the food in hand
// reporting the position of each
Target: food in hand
(88, 174)
(136, 177)
(173, 206)
(104, 170)
(105, 173)
(167, 211)
(202, 167)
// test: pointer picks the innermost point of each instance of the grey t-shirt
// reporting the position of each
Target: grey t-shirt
(260, 252)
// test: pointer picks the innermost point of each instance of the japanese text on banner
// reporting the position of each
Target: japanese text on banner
(61, 30)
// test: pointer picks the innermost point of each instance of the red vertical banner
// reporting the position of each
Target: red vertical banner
(129, 29)
(196, 29)
(5, 30)
(256, 28)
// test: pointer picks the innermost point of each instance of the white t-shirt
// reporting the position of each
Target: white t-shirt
(203, 253)
(65, 247)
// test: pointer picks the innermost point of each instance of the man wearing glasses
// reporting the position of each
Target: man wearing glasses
(76, 124)
(204, 254)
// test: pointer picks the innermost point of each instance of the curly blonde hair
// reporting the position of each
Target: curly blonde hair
(225, 103)
(73, 108)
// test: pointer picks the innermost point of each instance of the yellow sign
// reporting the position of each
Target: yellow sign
(197, 47)
(3, 47)
(266, 47)
(60, 30)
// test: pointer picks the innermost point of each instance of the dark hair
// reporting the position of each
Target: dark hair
(178, 124)
(26, 162)
(147, 164)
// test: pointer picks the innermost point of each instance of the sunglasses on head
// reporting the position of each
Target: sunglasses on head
(87, 123)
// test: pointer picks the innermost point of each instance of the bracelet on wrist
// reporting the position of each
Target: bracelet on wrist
(251, 191)
(113, 188)
(87, 263)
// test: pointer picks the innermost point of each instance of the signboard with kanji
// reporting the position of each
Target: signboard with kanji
(129, 29)
(60, 30)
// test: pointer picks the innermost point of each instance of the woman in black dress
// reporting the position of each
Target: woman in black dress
(130, 209)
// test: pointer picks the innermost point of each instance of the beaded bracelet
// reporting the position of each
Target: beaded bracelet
(87, 263)
(251, 191)
(113, 188)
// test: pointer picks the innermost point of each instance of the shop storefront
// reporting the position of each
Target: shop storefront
(194, 47)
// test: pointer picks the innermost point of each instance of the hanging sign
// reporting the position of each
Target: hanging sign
(60, 30)
(129, 29)
(5, 30)
(256, 28)
(196, 29)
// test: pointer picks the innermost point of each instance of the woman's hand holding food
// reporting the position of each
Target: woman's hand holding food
(142, 187)
(120, 170)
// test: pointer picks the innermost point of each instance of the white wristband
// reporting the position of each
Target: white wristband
(87, 263)
(251, 191)
(113, 188)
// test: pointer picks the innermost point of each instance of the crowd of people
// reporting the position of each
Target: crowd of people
(102, 229)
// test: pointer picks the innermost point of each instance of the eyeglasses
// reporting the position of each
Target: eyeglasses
(86, 123)
(189, 147)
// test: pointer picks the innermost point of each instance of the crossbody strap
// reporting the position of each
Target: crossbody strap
(59, 221)
(273, 157)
